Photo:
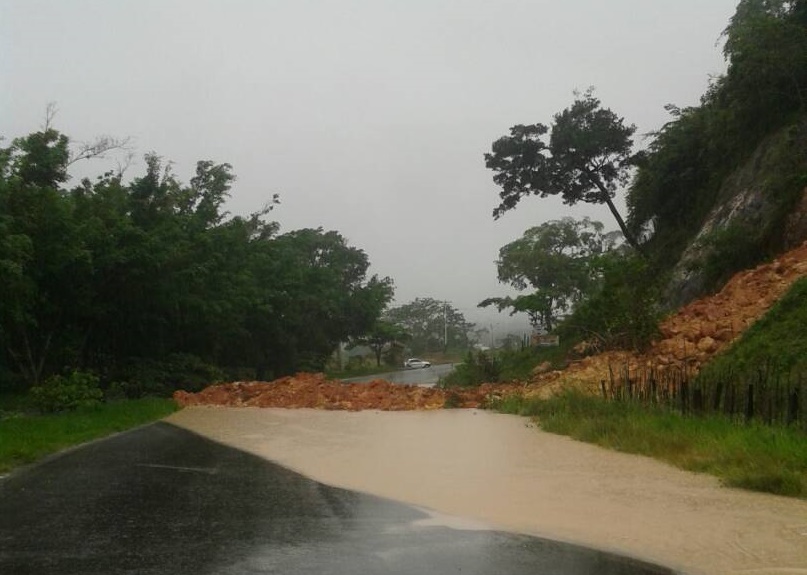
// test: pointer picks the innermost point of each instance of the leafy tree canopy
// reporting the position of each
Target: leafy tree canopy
(143, 282)
(557, 261)
(586, 159)
(433, 325)
(382, 334)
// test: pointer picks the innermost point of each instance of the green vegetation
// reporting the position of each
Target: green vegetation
(431, 326)
(754, 457)
(749, 134)
(586, 159)
(383, 336)
(558, 262)
(621, 310)
(66, 393)
(691, 159)
(25, 439)
(477, 368)
(151, 286)
(503, 365)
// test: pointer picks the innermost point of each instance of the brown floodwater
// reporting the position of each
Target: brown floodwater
(475, 469)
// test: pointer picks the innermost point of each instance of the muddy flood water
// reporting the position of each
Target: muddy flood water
(484, 470)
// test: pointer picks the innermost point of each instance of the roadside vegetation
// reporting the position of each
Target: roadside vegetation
(149, 284)
(504, 365)
(755, 457)
(27, 437)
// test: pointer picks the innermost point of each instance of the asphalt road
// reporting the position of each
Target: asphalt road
(161, 500)
(427, 376)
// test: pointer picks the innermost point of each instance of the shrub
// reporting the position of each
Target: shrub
(478, 368)
(64, 393)
(729, 250)
(150, 377)
(623, 312)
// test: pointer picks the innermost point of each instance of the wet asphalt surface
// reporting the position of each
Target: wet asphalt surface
(428, 376)
(162, 500)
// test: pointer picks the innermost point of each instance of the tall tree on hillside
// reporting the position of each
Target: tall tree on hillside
(587, 158)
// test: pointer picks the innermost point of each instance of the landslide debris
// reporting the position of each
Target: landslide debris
(689, 338)
(314, 390)
(694, 334)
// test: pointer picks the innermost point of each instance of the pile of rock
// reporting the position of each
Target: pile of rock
(314, 390)
(693, 335)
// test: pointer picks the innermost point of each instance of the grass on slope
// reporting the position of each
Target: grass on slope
(753, 457)
(779, 337)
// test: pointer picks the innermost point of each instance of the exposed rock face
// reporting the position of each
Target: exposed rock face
(749, 208)
(749, 200)
(796, 223)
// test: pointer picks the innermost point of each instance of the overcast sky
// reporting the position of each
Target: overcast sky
(369, 117)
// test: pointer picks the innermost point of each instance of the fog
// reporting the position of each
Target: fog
(369, 117)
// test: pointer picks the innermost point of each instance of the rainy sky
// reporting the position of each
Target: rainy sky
(369, 117)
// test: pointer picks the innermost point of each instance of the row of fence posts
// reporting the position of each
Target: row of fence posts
(768, 394)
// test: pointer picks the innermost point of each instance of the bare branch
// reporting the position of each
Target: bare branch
(125, 164)
(97, 148)
(50, 113)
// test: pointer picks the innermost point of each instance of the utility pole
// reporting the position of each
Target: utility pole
(445, 326)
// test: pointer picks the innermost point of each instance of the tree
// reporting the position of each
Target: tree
(621, 312)
(150, 283)
(587, 158)
(382, 334)
(557, 261)
(312, 293)
(432, 324)
(41, 250)
(684, 172)
(670, 193)
(766, 46)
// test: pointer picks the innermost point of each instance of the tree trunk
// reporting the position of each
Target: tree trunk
(629, 237)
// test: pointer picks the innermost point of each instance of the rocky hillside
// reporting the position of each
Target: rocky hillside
(761, 209)
(694, 334)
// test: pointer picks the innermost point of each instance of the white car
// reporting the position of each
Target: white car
(415, 363)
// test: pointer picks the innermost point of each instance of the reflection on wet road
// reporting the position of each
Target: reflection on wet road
(162, 500)
(427, 376)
